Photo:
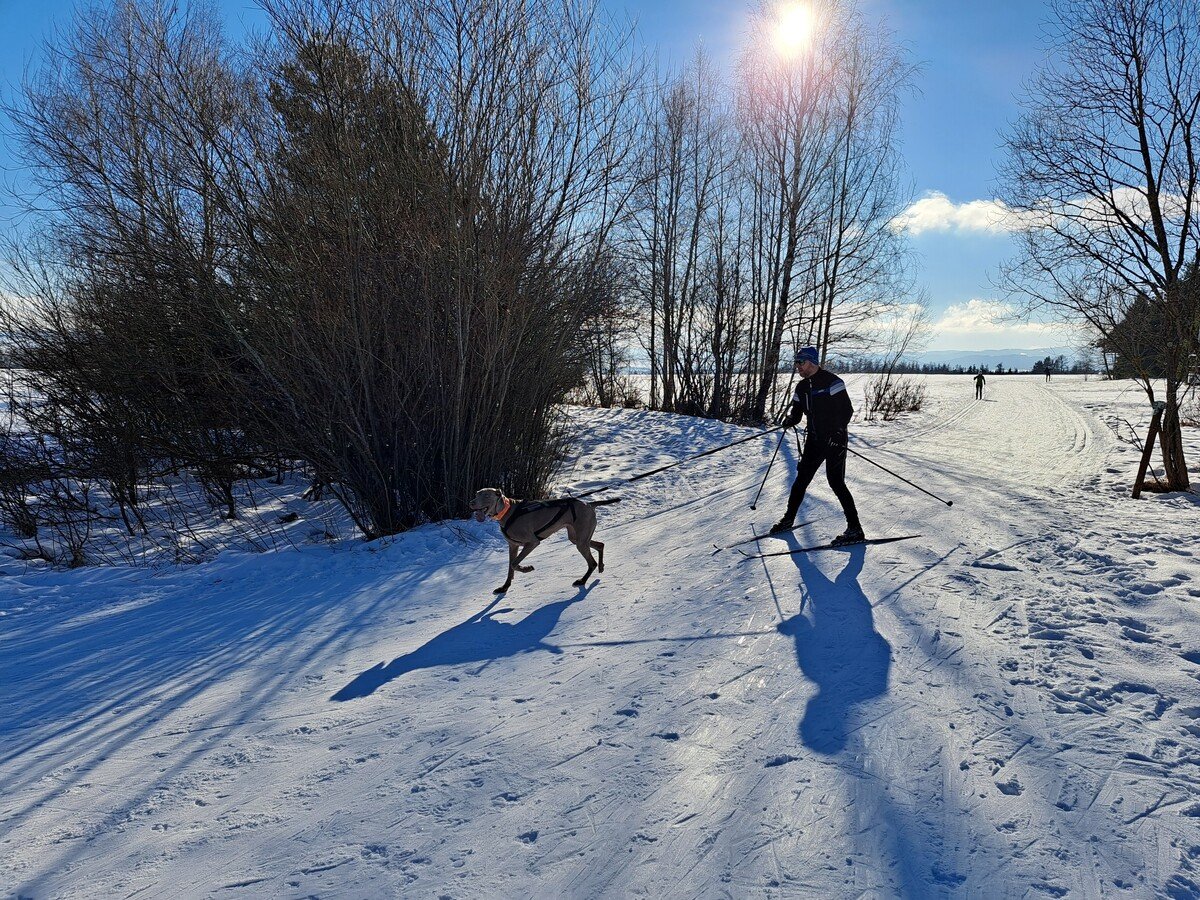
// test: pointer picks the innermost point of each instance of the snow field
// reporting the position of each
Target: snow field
(1007, 707)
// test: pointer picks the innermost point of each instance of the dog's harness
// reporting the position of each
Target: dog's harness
(527, 506)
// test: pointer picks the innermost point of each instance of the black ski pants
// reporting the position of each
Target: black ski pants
(835, 470)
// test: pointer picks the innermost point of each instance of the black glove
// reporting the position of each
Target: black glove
(838, 439)
(793, 416)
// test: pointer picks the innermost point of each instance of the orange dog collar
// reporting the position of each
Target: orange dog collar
(499, 517)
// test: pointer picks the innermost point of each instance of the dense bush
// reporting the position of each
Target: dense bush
(358, 249)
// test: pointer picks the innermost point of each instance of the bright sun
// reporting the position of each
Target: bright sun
(794, 28)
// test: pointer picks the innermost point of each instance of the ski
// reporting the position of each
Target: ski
(830, 546)
(717, 548)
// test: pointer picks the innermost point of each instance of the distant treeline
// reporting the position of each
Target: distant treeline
(1055, 364)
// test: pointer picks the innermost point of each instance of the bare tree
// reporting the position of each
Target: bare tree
(606, 338)
(121, 281)
(860, 262)
(764, 210)
(820, 130)
(786, 106)
(1103, 173)
(685, 218)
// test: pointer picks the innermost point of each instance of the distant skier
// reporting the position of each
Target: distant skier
(980, 381)
(1047, 373)
(822, 397)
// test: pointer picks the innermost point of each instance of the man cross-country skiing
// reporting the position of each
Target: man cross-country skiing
(980, 381)
(822, 397)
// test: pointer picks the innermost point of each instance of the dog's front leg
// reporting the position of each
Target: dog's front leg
(525, 551)
(512, 564)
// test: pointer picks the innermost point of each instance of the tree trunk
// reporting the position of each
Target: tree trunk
(1170, 439)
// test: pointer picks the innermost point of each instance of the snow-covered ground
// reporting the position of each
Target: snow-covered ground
(1007, 706)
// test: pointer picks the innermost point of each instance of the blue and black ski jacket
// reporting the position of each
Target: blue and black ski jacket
(824, 399)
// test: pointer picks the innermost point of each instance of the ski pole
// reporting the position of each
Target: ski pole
(782, 435)
(680, 462)
(901, 477)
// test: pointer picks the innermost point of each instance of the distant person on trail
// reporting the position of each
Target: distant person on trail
(980, 381)
(1047, 373)
(822, 397)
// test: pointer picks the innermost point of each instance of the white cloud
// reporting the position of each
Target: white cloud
(976, 315)
(982, 323)
(937, 212)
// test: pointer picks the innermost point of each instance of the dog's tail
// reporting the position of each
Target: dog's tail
(604, 502)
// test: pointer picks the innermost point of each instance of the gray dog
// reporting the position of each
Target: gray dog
(526, 523)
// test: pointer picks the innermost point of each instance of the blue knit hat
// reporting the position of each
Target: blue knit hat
(808, 354)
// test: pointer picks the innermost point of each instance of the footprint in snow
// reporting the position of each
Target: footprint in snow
(1051, 889)
(781, 760)
(1012, 787)
(947, 877)
(998, 566)
(1138, 637)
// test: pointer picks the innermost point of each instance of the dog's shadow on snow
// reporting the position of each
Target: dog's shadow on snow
(838, 648)
(480, 638)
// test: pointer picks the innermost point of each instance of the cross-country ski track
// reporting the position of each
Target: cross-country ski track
(1008, 706)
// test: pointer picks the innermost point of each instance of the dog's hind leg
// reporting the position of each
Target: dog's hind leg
(599, 548)
(586, 552)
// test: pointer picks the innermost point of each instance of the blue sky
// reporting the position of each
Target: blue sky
(974, 55)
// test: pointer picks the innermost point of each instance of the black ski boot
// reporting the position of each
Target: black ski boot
(851, 535)
(784, 524)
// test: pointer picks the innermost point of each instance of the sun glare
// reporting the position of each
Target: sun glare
(794, 28)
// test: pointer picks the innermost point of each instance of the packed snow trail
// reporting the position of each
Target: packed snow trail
(1008, 707)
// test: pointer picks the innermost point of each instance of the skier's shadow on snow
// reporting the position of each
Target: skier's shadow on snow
(478, 639)
(838, 648)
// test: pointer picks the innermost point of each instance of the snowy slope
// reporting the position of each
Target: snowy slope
(1006, 707)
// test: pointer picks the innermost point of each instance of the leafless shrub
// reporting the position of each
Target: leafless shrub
(45, 499)
(887, 396)
(1189, 406)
